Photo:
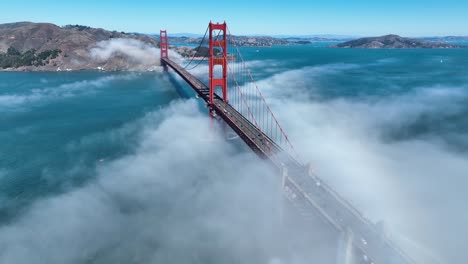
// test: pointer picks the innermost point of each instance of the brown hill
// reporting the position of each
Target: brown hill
(25, 46)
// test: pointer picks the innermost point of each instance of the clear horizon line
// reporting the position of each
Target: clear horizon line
(325, 34)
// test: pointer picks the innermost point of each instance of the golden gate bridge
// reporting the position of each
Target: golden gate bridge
(232, 95)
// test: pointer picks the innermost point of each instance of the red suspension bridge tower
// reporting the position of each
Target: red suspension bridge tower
(163, 44)
(219, 42)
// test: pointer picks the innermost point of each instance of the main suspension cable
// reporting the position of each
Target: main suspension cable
(204, 57)
(198, 49)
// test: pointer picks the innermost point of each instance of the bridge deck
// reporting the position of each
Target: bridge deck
(307, 193)
(255, 139)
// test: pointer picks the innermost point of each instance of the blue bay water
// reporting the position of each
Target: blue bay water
(57, 126)
(56, 129)
(376, 76)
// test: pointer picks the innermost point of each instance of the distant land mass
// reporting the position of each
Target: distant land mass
(394, 42)
(243, 41)
(319, 36)
(27, 46)
(290, 38)
(315, 39)
(449, 39)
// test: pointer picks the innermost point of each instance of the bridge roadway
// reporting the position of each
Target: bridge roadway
(306, 192)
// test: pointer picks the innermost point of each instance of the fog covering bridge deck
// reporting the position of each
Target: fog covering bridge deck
(306, 192)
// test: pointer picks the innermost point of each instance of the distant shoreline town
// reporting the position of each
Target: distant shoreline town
(26, 46)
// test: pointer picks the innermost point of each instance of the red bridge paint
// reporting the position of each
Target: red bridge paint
(218, 60)
(163, 44)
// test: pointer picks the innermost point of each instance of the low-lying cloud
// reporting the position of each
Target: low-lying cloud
(185, 195)
(413, 183)
(129, 54)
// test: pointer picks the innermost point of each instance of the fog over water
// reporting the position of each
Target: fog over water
(390, 137)
(136, 54)
(106, 168)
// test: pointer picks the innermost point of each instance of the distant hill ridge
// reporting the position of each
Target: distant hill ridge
(45, 46)
(394, 42)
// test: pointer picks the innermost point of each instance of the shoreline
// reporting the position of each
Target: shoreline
(155, 68)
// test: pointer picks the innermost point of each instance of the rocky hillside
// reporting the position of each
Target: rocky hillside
(45, 47)
(394, 42)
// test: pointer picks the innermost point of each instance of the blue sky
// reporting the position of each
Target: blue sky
(291, 17)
